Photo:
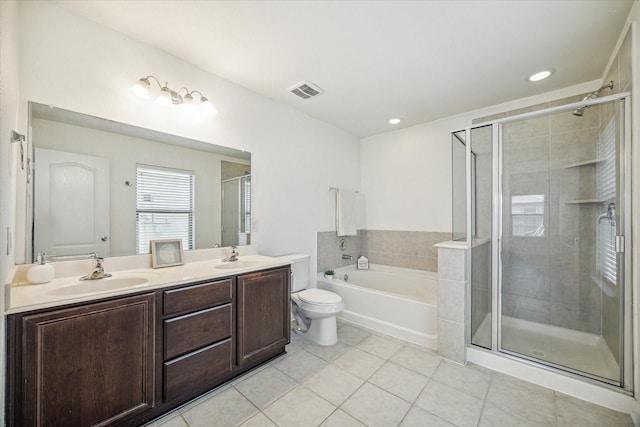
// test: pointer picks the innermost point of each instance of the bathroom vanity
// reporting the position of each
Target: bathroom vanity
(128, 358)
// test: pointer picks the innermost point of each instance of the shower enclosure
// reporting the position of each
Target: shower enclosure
(546, 204)
(236, 211)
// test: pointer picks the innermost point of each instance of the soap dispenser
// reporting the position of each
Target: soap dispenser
(363, 263)
(40, 271)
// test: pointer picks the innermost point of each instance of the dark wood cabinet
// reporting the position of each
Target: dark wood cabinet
(199, 343)
(127, 360)
(90, 365)
(264, 320)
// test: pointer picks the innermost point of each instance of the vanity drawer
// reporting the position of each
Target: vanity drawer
(194, 330)
(189, 374)
(197, 297)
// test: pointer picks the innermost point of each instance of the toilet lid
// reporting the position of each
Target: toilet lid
(319, 296)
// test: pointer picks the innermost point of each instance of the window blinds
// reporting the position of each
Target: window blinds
(606, 176)
(245, 204)
(164, 206)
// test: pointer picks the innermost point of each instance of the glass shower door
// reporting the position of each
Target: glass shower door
(561, 287)
(482, 214)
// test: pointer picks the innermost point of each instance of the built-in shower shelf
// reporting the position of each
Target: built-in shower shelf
(584, 201)
(585, 163)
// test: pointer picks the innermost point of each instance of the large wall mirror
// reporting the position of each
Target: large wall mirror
(107, 187)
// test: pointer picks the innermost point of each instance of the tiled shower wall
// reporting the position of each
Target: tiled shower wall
(406, 249)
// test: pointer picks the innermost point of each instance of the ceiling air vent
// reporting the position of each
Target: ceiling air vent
(305, 89)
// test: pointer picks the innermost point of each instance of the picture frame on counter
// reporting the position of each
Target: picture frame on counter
(166, 253)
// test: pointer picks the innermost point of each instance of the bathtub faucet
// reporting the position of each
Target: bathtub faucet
(349, 257)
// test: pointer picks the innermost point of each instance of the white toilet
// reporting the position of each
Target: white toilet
(315, 308)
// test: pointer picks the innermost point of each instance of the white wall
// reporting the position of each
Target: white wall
(406, 174)
(79, 65)
(8, 157)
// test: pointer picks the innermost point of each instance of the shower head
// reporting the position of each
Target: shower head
(593, 95)
(579, 112)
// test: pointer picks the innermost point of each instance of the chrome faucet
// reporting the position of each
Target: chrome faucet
(98, 271)
(348, 257)
(233, 256)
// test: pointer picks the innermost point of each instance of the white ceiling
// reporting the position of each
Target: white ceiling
(419, 60)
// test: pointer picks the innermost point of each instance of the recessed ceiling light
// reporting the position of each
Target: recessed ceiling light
(541, 75)
(395, 121)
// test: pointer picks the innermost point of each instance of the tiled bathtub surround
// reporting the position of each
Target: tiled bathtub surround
(406, 249)
(329, 252)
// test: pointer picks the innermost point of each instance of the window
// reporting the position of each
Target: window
(606, 176)
(164, 206)
(245, 204)
(527, 215)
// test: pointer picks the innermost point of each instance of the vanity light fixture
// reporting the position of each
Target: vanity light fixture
(541, 75)
(168, 96)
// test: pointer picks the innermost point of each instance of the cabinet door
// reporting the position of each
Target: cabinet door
(90, 365)
(263, 315)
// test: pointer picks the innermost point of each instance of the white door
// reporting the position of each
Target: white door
(71, 203)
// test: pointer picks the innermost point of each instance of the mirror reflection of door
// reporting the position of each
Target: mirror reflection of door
(236, 211)
(72, 203)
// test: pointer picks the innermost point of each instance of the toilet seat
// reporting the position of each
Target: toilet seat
(318, 301)
(319, 296)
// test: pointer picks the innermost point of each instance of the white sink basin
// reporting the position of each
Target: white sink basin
(238, 264)
(101, 285)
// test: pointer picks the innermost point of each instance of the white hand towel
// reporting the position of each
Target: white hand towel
(345, 212)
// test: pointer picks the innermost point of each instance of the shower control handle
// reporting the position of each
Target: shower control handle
(610, 214)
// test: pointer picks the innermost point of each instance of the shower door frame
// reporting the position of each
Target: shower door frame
(624, 175)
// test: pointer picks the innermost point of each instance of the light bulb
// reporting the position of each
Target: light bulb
(187, 102)
(207, 107)
(541, 75)
(141, 88)
(164, 98)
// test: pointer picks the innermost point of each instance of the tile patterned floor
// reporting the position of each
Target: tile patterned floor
(374, 380)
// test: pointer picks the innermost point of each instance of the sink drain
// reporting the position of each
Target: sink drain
(538, 353)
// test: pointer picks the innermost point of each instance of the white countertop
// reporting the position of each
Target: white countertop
(24, 296)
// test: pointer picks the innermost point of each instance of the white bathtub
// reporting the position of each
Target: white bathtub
(396, 301)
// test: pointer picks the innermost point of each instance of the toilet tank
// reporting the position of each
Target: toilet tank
(299, 270)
